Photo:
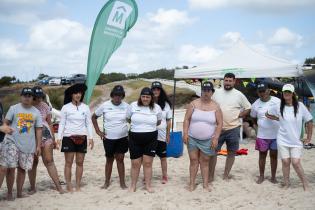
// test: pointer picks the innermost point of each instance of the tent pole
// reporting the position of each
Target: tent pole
(173, 105)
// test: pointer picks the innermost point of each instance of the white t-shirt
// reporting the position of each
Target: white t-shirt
(75, 120)
(166, 115)
(114, 119)
(231, 103)
(143, 119)
(267, 129)
(289, 133)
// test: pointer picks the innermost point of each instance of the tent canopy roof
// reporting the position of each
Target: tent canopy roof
(244, 62)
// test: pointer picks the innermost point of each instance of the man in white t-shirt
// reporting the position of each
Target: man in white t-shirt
(234, 105)
(266, 132)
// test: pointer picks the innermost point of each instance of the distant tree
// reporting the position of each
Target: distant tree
(6, 81)
(132, 76)
(309, 60)
(111, 77)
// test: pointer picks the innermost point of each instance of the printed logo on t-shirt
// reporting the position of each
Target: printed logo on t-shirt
(25, 122)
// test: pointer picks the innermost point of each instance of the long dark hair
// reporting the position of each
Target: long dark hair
(151, 105)
(295, 104)
(163, 99)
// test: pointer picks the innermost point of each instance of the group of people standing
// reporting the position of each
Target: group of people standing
(214, 119)
(143, 128)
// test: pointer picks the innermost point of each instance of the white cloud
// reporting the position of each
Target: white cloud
(194, 55)
(262, 5)
(229, 38)
(283, 36)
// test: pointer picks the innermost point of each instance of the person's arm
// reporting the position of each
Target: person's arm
(88, 124)
(309, 132)
(271, 117)
(96, 127)
(48, 120)
(218, 129)
(159, 115)
(186, 123)
(61, 127)
(245, 105)
(38, 135)
(168, 130)
(6, 129)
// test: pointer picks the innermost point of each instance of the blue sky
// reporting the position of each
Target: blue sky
(52, 37)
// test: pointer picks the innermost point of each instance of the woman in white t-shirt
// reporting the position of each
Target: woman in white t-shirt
(75, 130)
(291, 115)
(114, 134)
(144, 117)
(162, 100)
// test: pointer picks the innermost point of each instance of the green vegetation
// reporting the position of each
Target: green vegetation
(6, 81)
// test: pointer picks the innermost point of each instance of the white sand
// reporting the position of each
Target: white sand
(239, 193)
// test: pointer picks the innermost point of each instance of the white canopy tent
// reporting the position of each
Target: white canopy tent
(244, 62)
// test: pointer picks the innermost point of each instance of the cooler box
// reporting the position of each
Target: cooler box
(175, 147)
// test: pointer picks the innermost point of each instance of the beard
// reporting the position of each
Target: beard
(228, 87)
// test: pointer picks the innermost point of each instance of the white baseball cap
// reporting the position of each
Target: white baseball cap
(288, 87)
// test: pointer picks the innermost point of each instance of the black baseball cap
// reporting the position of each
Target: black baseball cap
(27, 91)
(262, 87)
(156, 84)
(146, 91)
(207, 86)
(38, 91)
(117, 90)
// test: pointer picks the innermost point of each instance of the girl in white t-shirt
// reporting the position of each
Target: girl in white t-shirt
(144, 117)
(291, 115)
(114, 134)
(162, 100)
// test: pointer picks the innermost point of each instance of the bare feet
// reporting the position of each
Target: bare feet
(21, 195)
(78, 189)
(31, 191)
(191, 187)
(69, 188)
(207, 188)
(164, 179)
(285, 186)
(132, 189)
(9, 197)
(105, 186)
(306, 186)
(123, 186)
(149, 189)
(273, 180)
(61, 191)
(260, 180)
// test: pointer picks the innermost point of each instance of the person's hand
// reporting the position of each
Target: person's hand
(6, 129)
(185, 138)
(55, 145)
(214, 142)
(38, 151)
(101, 134)
(91, 143)
(168, 138)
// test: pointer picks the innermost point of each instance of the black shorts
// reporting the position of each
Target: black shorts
(142, 144)
(69, 146)
(115, 146)
(161, 149)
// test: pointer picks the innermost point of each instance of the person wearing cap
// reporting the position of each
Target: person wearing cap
(291, 115)
(144, 116)
(75, 130)
(202, 127)
(18, 149)
(114, 134)
(266, 132)
(48, 142)
(234, 106)
(162, 100)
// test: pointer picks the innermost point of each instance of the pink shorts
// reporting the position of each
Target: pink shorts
(12, 157)
(264, 145)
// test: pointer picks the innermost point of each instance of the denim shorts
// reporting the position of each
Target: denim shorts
(231, 138)
(202, 145)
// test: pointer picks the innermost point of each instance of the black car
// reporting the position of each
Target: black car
(77, 78)
(65, 81)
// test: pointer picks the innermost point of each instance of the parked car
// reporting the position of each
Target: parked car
(65, 81)
(77, 78)
(44, 81)
(55, 81)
